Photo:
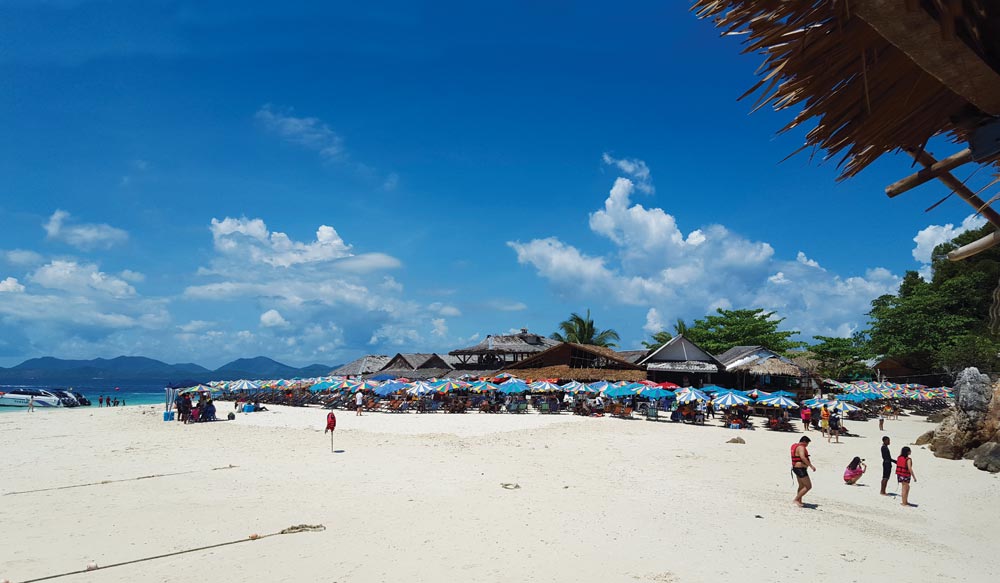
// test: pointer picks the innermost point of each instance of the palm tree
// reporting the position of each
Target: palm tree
(582, 331)
(680, 327)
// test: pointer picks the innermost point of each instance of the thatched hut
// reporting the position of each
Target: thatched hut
(365, 365)
(682, 362)
(757, 367)
(499, 350)
(415, 366)
(879, 76)
(577, 362)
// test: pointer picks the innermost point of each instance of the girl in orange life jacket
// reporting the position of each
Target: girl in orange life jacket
(904, 474)
(800, 461)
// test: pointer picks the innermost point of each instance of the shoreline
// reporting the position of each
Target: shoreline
(423, 495)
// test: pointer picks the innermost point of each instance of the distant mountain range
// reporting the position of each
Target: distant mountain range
(140, 368)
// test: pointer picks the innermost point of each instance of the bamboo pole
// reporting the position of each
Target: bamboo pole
(929, 173)
(960, 189)
(977, 246)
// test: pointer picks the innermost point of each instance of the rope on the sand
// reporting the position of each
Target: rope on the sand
(253, 537)
(101, 483)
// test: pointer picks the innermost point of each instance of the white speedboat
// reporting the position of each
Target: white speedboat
(21, 397)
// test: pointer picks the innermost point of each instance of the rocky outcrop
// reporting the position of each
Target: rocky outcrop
(987, 457)
(736, 440)
(925, 438)
(975, 422)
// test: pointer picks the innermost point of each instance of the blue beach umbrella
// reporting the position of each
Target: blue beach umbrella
(656, 393)
(324, 386)
(390, 388)
(512, 387)
(712, 389)
(782, 394)
(729, 400)
(689, 395)
(779, 401)
(598, 386)
(572, 386)
(420, 388)
(817, 402)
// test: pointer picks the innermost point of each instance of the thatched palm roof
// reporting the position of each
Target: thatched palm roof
(575, 356)
(568, 373)
(878, 75)
(364, 365)
(758, 360)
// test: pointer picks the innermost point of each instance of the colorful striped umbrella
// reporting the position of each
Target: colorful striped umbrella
(511, 387)
(572, 386)
(544, 387)
(817, 402)
(449, 385)
(420, 388)
(483, 387)
(845, 407)
(599, 386)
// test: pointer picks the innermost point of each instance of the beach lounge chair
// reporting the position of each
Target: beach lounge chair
(522, 407)
(543, 407)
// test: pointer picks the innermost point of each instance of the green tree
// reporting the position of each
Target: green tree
(841, 358)
(581, 330)
(944, 323)
(662, 337)
(725, 329)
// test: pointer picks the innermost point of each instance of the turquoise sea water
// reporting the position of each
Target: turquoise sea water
(150, 394)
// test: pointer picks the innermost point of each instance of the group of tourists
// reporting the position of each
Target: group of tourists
(826, 420)
(802, 463)
(190, 412)
(103, 401)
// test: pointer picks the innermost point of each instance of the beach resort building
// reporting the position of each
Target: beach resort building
(415, 366)
(578, 362)
(497, 351)
(681, 361)
(367, 364)
(748, 367)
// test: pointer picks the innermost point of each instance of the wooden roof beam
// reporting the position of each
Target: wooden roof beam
(949, 60)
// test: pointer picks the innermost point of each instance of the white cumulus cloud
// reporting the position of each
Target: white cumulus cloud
(81, 278)
(86, 236)
(273, 319)
(655, 264)
(11, 285)
(933, 235)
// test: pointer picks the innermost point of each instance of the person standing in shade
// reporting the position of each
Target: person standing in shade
(800, 463)
(331, 424)
(359, 402)
(904, 474)
(887, 462)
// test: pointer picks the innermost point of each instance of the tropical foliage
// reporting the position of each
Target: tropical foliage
(581, 330)
(841, 358)
(725, 329)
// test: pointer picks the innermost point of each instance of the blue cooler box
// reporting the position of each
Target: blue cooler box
(168, 415)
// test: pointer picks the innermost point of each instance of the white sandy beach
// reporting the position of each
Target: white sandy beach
(419, 498)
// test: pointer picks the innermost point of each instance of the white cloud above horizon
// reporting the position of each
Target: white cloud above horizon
(933, 235)
(84, 236)
(672, 273)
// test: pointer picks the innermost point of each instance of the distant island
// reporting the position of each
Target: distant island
(140, 368)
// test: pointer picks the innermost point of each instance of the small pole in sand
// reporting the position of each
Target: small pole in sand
(331, 425)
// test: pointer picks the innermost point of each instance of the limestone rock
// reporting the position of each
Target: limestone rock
(736, 440)
(961, 431)
(987, 457)
(938, 416)
(925, 438)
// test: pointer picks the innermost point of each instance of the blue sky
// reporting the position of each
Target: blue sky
(192, 182)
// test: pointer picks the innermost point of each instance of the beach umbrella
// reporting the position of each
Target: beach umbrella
(712, 389)
(599, 386)
(844, 407)
(544, 387)
(200, 389)
(483, 387)
(782, 394)
(778, 401)
(758, 394)
(389, 388)
(420, 388)
(689, 395)
(656, 393)
(572, 386)
(318, 387)
(816, 402)
(449, 385)
(512, 386)
(244, 385)
(728, 399)
(581, 388)
(624, 390)
(668, 386)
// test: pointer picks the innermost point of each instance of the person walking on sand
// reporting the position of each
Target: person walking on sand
(887, 462)
(904, 473)
(800, 463)
(331, 424)
(834, 427)
(824, 420)
(359, 402)
(806, 414)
